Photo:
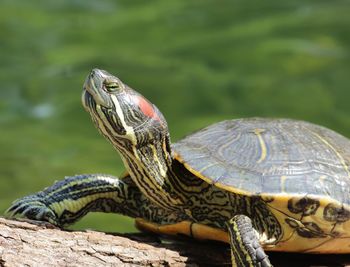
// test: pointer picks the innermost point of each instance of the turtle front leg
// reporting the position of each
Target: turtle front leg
(245, 247)
(70, 199)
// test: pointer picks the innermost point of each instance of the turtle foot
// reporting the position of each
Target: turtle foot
(32, 207)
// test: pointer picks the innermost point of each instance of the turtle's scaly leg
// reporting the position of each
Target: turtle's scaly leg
(245, 247)
(68, 200)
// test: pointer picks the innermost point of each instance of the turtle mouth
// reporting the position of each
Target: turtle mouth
(93, 91)
(88, 100)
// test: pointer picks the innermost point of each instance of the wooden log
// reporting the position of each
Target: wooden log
(24, 243)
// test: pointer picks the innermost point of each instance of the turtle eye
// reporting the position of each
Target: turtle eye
(111, 86)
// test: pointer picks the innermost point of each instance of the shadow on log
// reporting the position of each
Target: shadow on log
(35, 244)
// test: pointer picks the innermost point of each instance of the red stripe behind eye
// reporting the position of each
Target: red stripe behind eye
(147, 108)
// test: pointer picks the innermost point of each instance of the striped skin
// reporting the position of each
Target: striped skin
(236, 157)
(68, 200)
(144, 145)
(169, 183)
(245, 248)
(139, 132)
(299, 169)
(119, 120)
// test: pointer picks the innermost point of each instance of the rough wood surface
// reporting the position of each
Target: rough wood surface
(29, 244)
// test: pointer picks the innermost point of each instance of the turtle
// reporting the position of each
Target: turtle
(258, 184)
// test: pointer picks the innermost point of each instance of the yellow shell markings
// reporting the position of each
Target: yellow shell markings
(283, 183)
(207, 167)
(341, 158)
(337, 238)
(195, 230)
(337, 235)
(228, 144)
(289, 242)
(263, 154)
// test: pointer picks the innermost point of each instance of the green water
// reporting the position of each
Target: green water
(198, 61)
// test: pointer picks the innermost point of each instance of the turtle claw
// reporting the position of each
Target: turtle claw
(32, 207)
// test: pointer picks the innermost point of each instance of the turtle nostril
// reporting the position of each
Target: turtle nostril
(94, 72)
(97, 73)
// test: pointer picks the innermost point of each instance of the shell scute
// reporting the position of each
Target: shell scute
(271, 156)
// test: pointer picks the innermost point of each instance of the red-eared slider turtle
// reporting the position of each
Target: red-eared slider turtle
(273, 184)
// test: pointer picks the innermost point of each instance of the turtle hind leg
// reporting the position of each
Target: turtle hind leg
(245, 247)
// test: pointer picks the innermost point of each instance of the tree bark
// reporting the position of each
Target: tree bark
(25, 243)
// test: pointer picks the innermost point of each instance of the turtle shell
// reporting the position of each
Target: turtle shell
(270, 156)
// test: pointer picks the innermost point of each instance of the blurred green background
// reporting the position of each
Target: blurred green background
(199, 61)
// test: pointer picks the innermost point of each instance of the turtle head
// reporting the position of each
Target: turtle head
(135, 127)
(120, 112)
